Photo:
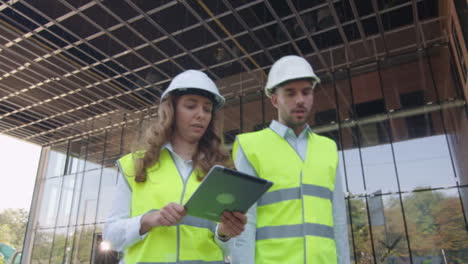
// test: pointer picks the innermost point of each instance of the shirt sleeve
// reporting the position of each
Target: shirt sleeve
(340, 222)
(121, 230)
(224, 245)
(242, 247)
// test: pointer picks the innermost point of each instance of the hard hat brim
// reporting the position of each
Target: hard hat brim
(314, 80)
(218, 101)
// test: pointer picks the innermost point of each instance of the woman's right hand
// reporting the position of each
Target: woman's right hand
(169, 215)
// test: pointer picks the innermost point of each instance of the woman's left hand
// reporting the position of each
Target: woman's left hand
(232, 224)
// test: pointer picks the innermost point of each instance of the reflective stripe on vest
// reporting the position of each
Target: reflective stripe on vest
(295, 217)
(191, 241)
(307, 229)
(295, 193)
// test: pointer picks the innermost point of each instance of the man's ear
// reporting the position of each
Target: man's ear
(274, 100)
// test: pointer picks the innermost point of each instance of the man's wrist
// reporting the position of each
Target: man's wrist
(221, 236)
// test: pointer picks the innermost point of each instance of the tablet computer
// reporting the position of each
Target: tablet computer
(224, 189)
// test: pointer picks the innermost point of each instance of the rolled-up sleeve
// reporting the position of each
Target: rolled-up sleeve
(340, 223)
(121, 230)
(242, 248)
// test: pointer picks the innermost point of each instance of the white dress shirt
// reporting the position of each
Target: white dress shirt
(121, 230)
(243, 246)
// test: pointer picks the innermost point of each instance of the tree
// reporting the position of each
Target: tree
(13, 224)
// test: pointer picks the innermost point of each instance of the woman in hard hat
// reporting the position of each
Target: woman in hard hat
(147, 220)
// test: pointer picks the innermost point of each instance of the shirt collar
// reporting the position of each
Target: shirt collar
(168, 146)
(285, 131)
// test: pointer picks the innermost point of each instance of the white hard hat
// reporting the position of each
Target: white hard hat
(289, 68)
(193, 81)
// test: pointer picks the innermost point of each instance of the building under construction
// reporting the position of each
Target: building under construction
(83, 77)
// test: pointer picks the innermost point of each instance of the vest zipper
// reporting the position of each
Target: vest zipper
(184, 181)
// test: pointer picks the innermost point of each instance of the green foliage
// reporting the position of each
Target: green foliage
(13, 224)
(434, 223)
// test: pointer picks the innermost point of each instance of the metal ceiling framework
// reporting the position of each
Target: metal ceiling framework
(64, 63)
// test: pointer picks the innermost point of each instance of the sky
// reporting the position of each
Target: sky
(18, 162)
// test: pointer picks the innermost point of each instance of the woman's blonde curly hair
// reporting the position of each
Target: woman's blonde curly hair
(210, 150)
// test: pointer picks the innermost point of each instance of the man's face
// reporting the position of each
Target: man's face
(294, 102)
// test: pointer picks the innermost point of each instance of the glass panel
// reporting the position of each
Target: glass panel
(352, 164)
(66, 200)
(113, 144)
(231, 115)
(58, 249)
(89, 195)
(388, 230)
(341, 171)
(252, 119)
(108, 186)
(69, 244)
(324, 111)
(42, 246)
(440, 64)
(407, 83)
(423, 162)
(49, 202)
(436, 226)
(76, 199)
(95, 151)
(57, 159)
(361, 232)
(350, 234)
(366, 91)
(377, 159)
(456, 121)
(83, 244)
(100, 254)
(324, 108)
(343, 92)
(131, 133)
(76, 153)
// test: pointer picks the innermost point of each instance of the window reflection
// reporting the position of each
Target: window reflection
(58, 249)
(50, 202)
(108, 184)
(66, 199)
(89, 196)
(424, 163)
(436, 226)
(42, 246)
(361, 232)
(83, 244)
(388, 230)
(56, 161)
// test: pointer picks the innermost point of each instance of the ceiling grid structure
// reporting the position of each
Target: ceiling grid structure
(64, 64)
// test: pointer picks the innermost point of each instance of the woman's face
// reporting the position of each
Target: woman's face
(192, 115)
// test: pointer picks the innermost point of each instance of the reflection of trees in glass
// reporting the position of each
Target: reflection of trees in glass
(41, 249)
(435, 226)
(83, 245)
(58, 250)
(360, 230)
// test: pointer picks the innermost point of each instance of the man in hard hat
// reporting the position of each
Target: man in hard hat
(302, 218)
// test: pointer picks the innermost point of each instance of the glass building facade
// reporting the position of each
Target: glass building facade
(400, 123)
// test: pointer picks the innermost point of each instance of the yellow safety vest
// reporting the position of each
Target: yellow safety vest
(295, 217)
(192, 240)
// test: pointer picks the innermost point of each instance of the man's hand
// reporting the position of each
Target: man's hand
(232, 224)
(169, 215)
